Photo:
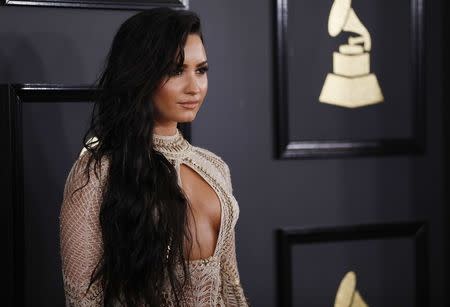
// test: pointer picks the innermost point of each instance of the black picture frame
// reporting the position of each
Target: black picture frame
(446, 132)
(12, 97)
(287, 148)
(286, 238)
(102, 4)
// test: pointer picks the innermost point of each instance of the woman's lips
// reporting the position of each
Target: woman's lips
(189, 104)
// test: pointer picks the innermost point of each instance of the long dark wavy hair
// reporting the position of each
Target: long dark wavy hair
(143, 210)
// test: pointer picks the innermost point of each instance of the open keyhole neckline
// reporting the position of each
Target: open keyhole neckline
(219, 236)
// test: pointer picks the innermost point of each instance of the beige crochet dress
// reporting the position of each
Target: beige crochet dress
(215, 279)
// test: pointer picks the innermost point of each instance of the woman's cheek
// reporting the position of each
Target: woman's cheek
(203, 86)
(170, 94)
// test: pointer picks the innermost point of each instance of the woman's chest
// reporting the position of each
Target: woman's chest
(209, 210)
(203, 199)
(206, 188)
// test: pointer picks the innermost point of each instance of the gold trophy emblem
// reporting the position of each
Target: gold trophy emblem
(347, 295)
(351, 84)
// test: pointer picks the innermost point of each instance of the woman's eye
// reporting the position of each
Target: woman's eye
(176, 72)
(179, 71)
(203, 69)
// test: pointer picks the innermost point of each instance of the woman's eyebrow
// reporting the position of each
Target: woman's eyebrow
(198, 65)
(202, 63)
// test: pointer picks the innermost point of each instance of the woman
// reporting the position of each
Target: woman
(148, 219)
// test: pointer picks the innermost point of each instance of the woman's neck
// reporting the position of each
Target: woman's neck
(165, 129)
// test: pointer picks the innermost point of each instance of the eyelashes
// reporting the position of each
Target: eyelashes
(204, 69)
(179, 71)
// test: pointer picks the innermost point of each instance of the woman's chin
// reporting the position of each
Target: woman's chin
(188, 117)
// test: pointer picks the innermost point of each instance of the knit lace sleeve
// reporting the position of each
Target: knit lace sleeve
(80, 236)
(233, 291)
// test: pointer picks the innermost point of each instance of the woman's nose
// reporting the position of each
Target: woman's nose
(192, 85)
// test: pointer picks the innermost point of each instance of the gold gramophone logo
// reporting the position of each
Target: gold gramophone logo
(351, 84)
(347, 294)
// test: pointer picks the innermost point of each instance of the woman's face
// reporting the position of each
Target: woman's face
(181, 94)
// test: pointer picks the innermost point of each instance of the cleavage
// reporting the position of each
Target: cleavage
(205, 217)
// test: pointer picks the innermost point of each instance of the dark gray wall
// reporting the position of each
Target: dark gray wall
(68, 46)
